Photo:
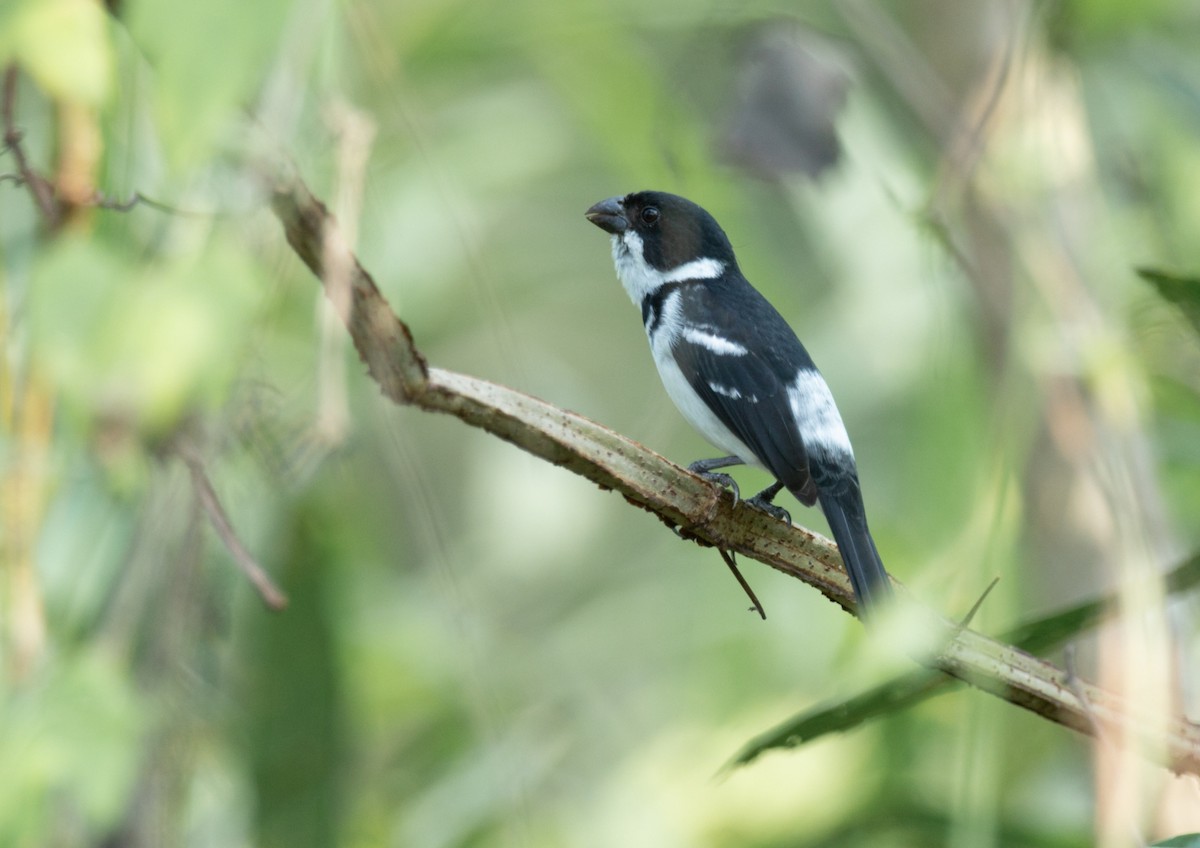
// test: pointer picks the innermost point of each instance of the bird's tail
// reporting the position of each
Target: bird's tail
(848, 520)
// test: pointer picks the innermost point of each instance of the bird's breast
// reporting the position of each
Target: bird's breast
(679, 388)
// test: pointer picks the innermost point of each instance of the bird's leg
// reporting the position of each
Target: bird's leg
(706, 468)
(763, 501)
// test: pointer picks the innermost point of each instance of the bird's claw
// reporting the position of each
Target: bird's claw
(773, 510)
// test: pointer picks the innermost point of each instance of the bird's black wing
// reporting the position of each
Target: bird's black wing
(748, 391)
(742, 364)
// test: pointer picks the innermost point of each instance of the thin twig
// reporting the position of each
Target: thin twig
(728, 556)
(40, 188)
(970, 616)
(271, 595)
(103, 201)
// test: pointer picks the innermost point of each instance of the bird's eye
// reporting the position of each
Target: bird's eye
(650, 215)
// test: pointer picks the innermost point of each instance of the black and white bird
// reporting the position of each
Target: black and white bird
(736, 370)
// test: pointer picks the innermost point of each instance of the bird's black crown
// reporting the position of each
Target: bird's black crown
(673, 230)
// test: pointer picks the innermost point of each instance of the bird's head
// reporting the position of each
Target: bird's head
(659, 238)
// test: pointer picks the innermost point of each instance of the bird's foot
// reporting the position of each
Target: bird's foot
(705, 468)
(722, 480)
(776, 512)
(763, 501)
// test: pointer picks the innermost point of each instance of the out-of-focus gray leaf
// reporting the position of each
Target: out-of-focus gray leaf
(791, 87)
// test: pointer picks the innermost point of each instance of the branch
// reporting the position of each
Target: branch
(677, 497)
(271, 594)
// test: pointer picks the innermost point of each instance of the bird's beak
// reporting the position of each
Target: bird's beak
(609, 216)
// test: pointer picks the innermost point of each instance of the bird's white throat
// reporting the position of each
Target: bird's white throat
(639, 278)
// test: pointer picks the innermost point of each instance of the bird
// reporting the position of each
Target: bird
(737, 372)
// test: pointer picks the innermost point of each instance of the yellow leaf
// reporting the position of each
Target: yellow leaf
(64, 45)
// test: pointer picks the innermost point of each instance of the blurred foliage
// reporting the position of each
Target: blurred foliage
(479, 648)
(65, 45)
(1187, 840)
(1183, 291)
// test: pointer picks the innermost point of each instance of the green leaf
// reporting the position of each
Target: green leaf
(209, 61)
(912, 688)
(1180, 289)
(55, 733)
(897, 694)
(1054, 629)
(293, 704)
(1185, 840)
(141, 341)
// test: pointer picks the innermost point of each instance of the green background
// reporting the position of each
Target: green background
(480, 648)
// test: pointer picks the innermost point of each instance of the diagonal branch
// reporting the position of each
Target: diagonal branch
(677, 497)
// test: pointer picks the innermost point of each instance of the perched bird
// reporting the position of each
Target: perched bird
(736, 370)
